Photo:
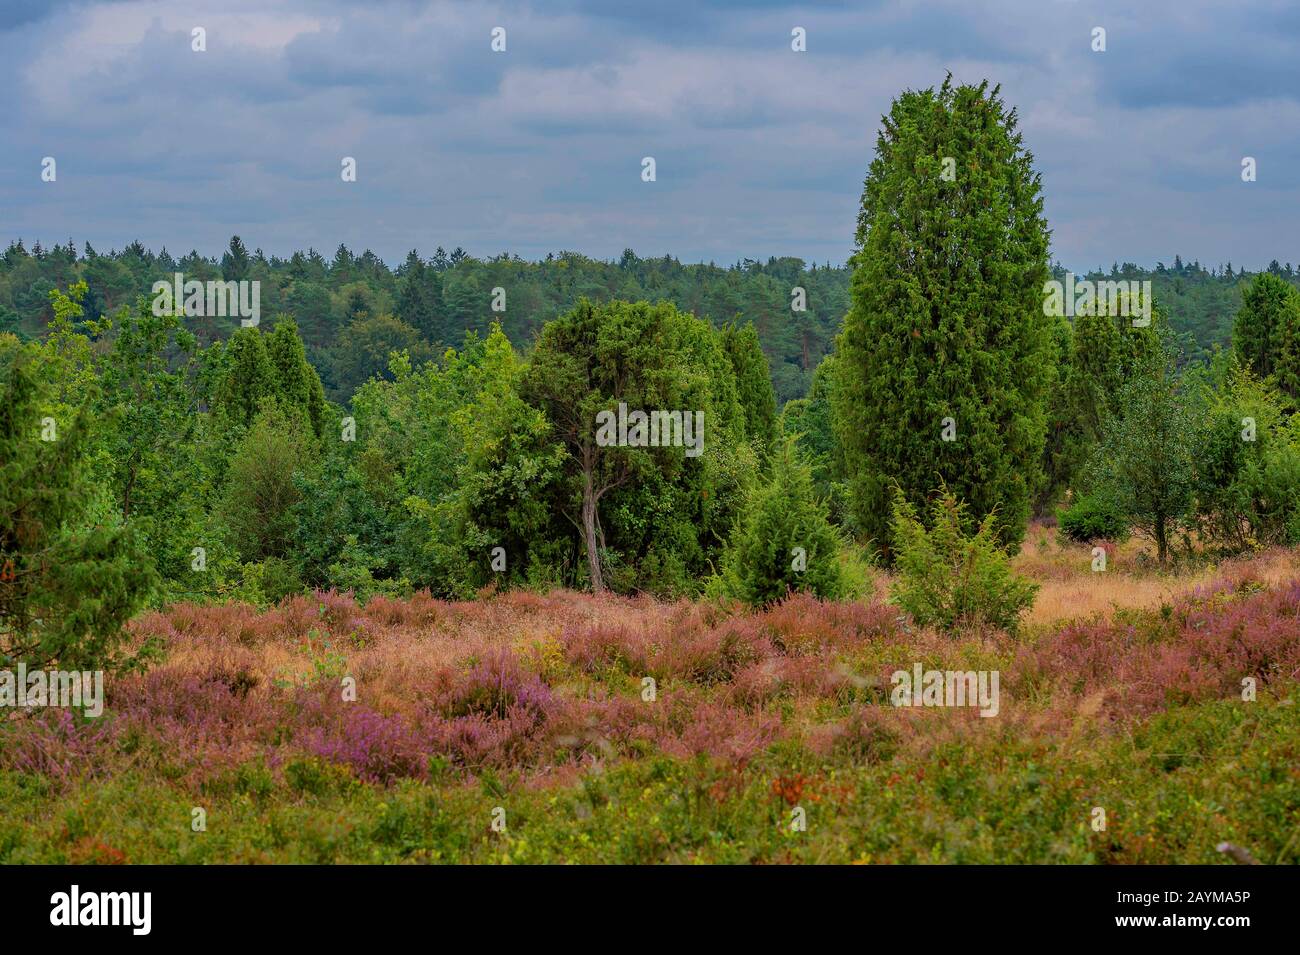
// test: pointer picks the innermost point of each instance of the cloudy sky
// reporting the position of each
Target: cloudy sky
(759, 150)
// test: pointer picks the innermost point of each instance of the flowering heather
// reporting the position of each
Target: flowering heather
(558, 689)
(1200, 648)
(56, 744)
(497, 686)
(377, 748)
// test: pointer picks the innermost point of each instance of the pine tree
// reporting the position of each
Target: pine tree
(235, 262)
(946, 353)
(420, 300)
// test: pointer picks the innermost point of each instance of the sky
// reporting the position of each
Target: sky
(759, 150)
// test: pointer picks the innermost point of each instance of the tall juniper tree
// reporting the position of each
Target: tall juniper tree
(753, 382)
(946, 353)
(71, 574)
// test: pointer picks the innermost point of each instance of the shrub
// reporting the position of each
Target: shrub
(784, 541)
(268, 581)
(1092, 517)
(949, 579)
(258, 506)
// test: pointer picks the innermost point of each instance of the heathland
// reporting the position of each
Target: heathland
(914, 560)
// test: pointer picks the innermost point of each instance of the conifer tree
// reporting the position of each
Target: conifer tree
(663, 503)
(420, 298)
(297, 384)
(236, 261)
(753, 383)
(1268, 305)
(784, 541)
(69, 577)
(946, 351)
(1287, 337)
(245, 377)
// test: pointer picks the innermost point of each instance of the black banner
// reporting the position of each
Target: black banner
(148, 904)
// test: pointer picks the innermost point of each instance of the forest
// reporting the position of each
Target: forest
(353, 309)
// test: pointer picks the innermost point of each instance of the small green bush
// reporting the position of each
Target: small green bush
(267, 582)
(784, 541)
(1092, 517)
(951, 580)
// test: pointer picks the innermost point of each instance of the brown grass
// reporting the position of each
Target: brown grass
(1070, 589)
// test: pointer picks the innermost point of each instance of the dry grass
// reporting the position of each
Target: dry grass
(1070, 589)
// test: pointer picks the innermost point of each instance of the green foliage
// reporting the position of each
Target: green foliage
(335, 512)
(365, 346)
(1270, 307)
(1288, 359)
(258, 505)
(420, 299)
(1093, 517)
(504, 481)
(451, 463)
(1247, 464)
(947, 316)
(1063, 450)
(656, 515)
(1144, 463)
(236, 262)
(445, 295)
(243, 377)
(753, 383)
(1095, 358)
(949, 578)
(68, 581)
(147, 404)
(810, 422)
(783, 541)
(266, 582)
(297, 385)
(324, 296)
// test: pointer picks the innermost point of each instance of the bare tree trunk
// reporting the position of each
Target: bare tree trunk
(589, 526)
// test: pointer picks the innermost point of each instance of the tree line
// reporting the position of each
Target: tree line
(352, 309)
